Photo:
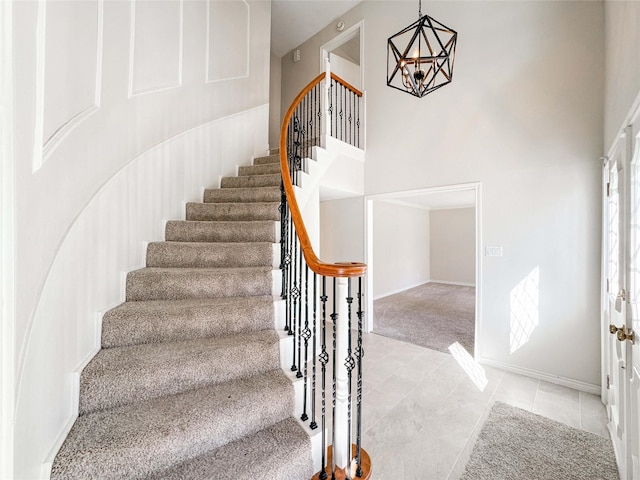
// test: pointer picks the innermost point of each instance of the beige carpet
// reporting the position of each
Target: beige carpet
(188, 382)
(433, 315)
(516, 444)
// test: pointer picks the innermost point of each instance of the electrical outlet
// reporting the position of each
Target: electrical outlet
(493, 251)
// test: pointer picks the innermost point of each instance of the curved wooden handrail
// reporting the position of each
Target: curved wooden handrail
(351, 269)
(346, 85)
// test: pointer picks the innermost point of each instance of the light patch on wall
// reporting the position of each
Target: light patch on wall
(155, 57)
(472, 368)
(68, 71)
(227, 40)
(524, 306)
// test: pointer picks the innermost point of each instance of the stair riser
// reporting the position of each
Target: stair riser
(232, 211)
(266, 160)
(207, 255)
(131, 442)
(267, 449)
(208, 231)
(265, 169)
(240, 195)
(252, 181)
(175, 284)
(126, 375)
(136, 323)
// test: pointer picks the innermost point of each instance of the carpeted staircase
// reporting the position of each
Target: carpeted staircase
(188, 383)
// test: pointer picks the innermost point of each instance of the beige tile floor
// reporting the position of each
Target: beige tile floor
(422, 412)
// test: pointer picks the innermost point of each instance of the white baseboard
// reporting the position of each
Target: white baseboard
(407, 287)
(558, 380)
(449, 282)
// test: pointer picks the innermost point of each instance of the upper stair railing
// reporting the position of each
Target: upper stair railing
(314, 290)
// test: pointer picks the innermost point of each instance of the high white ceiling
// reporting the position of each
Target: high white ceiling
(294, 21)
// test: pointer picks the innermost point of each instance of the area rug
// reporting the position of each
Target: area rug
(518, 445)
(433, 315)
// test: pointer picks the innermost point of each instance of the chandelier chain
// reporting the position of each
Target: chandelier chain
(419, 9)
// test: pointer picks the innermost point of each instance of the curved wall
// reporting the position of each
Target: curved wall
(124, 111)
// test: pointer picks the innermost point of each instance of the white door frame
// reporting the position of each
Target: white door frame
(344, 37)
(629, 157)
(614, 308)
(368, 248)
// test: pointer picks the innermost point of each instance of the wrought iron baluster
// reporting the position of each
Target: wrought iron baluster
(294, 295)
(288, 312)
(306, 334)
(359, 355)
(324, 359)
(355, 113)
(358, 123)
(341, 137)
(284, 253)
(313, 425)
(334, 318)
(300, 257)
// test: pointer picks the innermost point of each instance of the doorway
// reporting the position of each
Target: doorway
(346, 54)
(422, 249)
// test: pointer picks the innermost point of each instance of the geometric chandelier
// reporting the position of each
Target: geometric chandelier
(420, 57)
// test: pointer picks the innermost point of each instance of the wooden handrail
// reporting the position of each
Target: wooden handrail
(346, 85)
(351, 269)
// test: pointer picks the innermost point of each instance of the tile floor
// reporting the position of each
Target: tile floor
(422, 412)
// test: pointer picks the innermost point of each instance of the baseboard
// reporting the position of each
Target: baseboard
(45, 468)
(408, 287)
(558, 380)
(449, 282)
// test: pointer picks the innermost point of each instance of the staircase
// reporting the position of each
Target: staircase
(188, 383)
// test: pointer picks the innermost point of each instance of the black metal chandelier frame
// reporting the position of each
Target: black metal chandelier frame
(426, 63)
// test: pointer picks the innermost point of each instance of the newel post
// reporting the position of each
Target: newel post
(341, 434)
(326, 101)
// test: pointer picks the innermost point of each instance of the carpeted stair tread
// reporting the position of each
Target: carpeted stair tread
(136, 440)
(273, 158)
(264, 169)
(211, 254)
(155, 283)
(251, 181)
(233, 211)
(118, 376)
(260, 455)
(155, 321)
(238, 195)
(223, 231)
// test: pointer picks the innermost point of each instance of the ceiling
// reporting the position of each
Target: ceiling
(294, 21)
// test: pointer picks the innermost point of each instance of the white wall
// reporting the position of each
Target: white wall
(527, 124)
(341, 227)
(453, 245)
(126, 111)
(274, 102)
(400, 247)
(622, 68)
(345, 69)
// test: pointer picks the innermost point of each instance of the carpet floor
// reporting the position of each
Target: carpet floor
(433, 315)
(188, 382)
(516, 444)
